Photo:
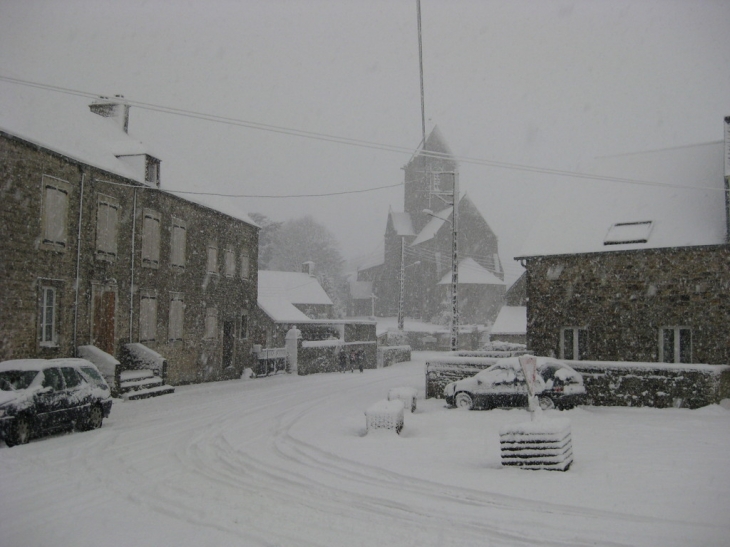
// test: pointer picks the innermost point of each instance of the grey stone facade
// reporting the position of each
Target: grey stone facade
(622, 299)
(60, 288)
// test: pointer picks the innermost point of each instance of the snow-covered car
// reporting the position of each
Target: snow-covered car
(40, 395)
(563, 385)
(503, 385)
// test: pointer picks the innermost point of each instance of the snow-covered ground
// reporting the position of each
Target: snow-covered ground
(284, 461)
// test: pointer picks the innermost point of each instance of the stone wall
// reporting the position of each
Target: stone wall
(28, 264)
(325, 357)
(623, 298)
(389, 355)
(613, 383)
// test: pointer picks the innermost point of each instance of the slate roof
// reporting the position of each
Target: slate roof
(688, 210)
(68, 127)
(472, 273)
(278, 292)
(402, 224)
(511, 320)
(433, 226)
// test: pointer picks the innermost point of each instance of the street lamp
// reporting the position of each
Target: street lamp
(454, 266)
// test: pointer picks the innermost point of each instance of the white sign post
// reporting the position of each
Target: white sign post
(529, 369)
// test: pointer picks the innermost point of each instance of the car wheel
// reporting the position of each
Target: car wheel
(20, 433)
(463, 400)
(546, 403)
(96, 416)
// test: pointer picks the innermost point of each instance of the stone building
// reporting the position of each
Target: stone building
(418, 241)
(621, 271)
(95, 251)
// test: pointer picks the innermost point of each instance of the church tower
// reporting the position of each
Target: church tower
(429, 175)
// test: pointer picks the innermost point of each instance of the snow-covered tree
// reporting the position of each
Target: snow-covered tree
(285, 246)
(267, 238)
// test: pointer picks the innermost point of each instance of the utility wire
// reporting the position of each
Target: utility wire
(352, 142)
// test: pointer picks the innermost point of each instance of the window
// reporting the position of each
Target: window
(107, 218)
(147, 315)
(71, 377)
(151, 239)
(152, 171)
(624, 233)
(211, 324)
(175, 327)
(245, 264)
(573, 343)
(244, 326)
(54, 220)
(554, 271)
(675, 345)
(177, 245)
(212, 266)
(48, 316)
(230, 263)
(52, 378)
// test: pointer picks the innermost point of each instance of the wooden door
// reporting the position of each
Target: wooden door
(105, 304)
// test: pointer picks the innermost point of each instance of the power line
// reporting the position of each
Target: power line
(351, 141)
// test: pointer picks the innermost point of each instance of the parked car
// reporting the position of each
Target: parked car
(39, 396)
(503, 385)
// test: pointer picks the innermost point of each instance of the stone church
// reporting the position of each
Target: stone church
(418, 242)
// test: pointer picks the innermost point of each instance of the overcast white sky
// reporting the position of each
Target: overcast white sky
(541, 83)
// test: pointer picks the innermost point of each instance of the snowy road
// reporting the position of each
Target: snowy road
(282, 461)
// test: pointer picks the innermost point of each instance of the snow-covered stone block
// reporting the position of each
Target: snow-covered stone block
(406, 394)
(385, 415)
(540, 444)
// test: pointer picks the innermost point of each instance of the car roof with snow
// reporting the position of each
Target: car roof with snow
(26, 364)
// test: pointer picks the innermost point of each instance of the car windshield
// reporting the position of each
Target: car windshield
(16, 379)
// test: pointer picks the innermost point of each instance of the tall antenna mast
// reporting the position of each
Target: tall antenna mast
(420, 62)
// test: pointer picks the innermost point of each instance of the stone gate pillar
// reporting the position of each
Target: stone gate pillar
(293, 336)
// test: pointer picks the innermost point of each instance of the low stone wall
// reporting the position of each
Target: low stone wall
(613, 383)
(388, 355)
(658, 385)
(320, 358)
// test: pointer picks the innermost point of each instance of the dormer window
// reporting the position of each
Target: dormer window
(152, 171)
(623, 233)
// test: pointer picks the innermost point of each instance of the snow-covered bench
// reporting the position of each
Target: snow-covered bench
(405, 394)
(385, 415)
(541, 444)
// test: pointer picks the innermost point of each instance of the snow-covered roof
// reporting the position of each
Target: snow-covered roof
(596, 215)
(511, 320)
(280, 309)
(68, 127)
(472, 273)
(294, 287)
(402, 224)
(433, 226)
(71, 129)
(278, 292)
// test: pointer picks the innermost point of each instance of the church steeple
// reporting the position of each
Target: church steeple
(428, 174)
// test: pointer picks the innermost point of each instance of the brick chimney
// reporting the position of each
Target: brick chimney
(115, 108)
